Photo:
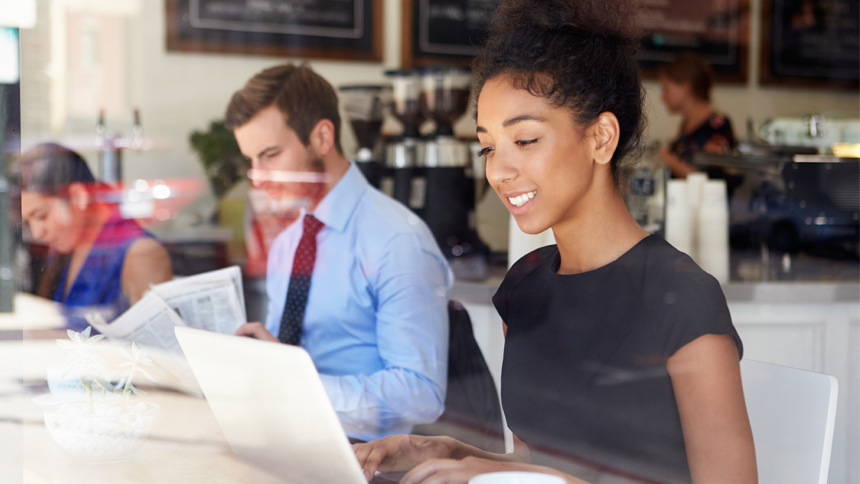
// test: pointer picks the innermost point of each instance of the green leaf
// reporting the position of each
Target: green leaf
(220, 156)
(104, 384)
(145, 373)
(137, 391)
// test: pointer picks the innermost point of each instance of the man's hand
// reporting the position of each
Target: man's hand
(401, 452)
(255, 330)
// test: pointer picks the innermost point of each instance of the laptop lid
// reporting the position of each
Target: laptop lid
(272, 407)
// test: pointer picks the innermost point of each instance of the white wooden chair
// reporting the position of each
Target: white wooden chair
(792, 413)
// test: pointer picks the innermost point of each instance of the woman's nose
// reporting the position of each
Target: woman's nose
(37, 229)
(500, 169)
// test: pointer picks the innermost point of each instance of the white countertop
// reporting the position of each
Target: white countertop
(753, 292)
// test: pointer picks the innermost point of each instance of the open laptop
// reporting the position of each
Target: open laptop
(273, 409)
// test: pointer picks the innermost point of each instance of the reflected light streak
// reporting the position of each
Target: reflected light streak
(161, 192)
(287, 176)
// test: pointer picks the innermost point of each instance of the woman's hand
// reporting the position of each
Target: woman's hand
(402, 452)
(449, 471)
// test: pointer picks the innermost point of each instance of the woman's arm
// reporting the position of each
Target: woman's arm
(403, 452)
(706, 379)
(677, 166)
(442, 459)
(146, 262)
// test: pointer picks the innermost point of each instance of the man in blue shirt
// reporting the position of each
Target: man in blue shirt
(358, 280)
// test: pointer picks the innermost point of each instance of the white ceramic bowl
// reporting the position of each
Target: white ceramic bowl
(516, 478)
(109, 435)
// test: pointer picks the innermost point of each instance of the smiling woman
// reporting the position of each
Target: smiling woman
(98, 261)
(620, 353)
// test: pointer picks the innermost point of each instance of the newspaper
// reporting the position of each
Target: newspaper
(211, 301)
(150, 322)
(172, 291)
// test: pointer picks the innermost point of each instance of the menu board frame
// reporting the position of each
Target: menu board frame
(734, 72)
(766, 74)
(181, 37)
(412, 54)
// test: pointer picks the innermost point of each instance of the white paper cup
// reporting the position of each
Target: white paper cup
(516, 478)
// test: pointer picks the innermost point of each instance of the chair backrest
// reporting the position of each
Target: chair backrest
(473, 413)
(792, 413)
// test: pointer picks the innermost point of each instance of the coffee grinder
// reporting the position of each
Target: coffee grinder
(404, 153)
(364, 106)
(447, 171)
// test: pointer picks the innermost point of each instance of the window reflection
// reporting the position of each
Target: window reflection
(102, 209)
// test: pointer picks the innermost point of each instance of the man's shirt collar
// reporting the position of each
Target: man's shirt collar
(337, 207)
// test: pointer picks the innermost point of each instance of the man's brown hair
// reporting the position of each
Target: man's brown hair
(302, 96)
(693, 68)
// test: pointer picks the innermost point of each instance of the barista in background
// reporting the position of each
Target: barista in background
(686, 90)
(98, 260)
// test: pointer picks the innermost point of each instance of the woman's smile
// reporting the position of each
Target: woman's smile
(538, 160)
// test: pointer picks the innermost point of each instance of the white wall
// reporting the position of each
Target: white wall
(180, 92)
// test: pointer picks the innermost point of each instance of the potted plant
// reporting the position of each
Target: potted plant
(220, 155)
(107, 426)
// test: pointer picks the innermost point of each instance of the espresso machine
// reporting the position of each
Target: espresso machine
(432, 174)
(364, 106)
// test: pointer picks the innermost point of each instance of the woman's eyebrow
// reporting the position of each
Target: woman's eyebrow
(516, 119)
(521, 118)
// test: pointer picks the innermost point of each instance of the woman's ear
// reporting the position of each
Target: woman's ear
(79, 197)
(606, 132)
(322, 137)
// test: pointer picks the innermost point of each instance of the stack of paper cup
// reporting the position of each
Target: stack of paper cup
(679, 220)
(713, 231)
(695, 183)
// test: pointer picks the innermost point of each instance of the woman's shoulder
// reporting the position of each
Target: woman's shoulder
(681, 300)
(661, 268)
(529, 263)
(718, 120)
(519, 272)
(145, 255)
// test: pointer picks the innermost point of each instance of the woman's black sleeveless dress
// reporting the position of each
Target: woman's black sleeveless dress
(584, 374)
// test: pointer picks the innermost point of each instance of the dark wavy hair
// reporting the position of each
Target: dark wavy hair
(50, 168)
(578, 54)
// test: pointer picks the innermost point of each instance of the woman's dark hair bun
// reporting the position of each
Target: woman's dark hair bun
(578, 54)
(612, 18)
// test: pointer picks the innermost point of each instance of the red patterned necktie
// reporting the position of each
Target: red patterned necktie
(300, 283)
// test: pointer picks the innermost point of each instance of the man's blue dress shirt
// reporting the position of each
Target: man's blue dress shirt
(376, 323)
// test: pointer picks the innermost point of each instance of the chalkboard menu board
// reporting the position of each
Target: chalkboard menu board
(811, 42)
(716, 29)
(444, 31)
(331, 29)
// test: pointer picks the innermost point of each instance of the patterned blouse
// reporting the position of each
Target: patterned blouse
(713, 136)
